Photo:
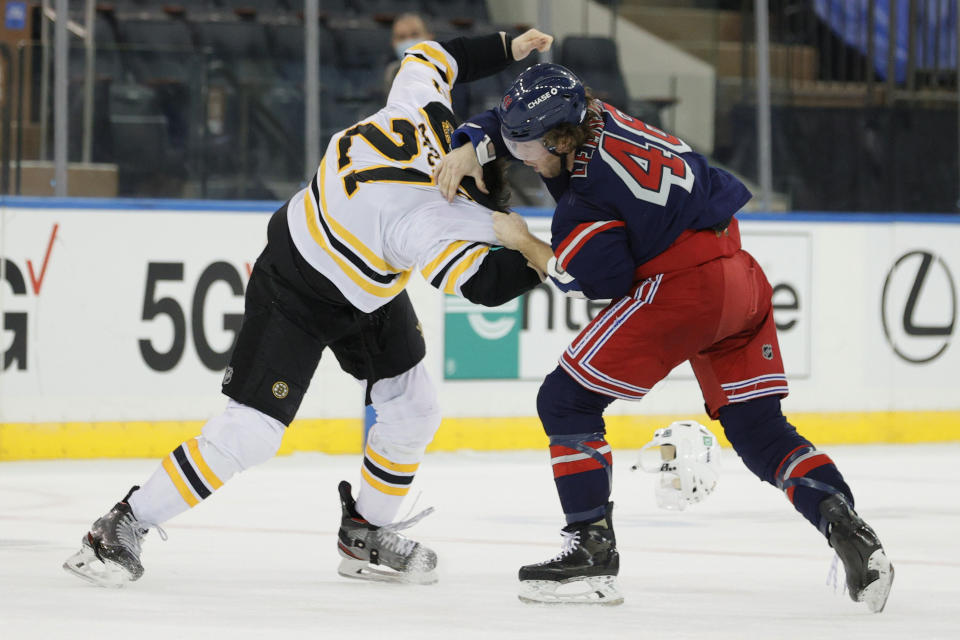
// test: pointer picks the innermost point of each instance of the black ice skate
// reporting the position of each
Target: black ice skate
(584, 572)
(109, 555)
(380, 553)
(869, 572)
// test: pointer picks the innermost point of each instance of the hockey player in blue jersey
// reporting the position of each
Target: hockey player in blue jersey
(643, 220)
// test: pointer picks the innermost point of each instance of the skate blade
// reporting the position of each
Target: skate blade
(87, 566)
(876, 593)
(362, 570)
(596, 590)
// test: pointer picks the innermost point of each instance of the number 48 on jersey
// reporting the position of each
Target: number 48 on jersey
(648, 162)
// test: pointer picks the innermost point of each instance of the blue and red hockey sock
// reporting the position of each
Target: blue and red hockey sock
(572, 417)
(773, 450)
(807, 476)
(582, 467)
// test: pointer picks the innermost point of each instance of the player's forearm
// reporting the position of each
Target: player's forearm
(536, 251)
(480, 56)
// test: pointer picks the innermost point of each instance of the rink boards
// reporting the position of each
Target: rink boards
(118, 318)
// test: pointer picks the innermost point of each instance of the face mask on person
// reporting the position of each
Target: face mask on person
(403, 45)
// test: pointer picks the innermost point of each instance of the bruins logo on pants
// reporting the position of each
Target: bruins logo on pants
(280, 389)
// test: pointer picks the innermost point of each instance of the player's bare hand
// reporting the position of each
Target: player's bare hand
(455, 166)
(511, 230)
(528, 41)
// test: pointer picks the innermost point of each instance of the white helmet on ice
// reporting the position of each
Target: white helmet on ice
(688, 464)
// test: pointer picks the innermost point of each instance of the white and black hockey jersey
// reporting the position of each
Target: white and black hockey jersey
(372, 213)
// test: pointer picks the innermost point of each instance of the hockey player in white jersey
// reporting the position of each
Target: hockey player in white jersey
(338, 257)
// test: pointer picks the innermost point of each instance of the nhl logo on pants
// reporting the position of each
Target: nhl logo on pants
(767, 351)
(280, 389)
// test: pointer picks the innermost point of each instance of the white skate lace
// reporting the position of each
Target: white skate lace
(832, 574)
(402, 545)
(130, 532)
(571, 542)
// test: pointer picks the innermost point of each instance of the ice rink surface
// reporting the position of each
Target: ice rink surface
(258, 560)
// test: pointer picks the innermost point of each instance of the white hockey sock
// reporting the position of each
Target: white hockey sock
(235, 440)
(385, 480)
(407, 418)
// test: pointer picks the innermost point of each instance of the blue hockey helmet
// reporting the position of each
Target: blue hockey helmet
(542, 97)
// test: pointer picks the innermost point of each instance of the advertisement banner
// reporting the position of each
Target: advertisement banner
(114, 315)
(482, 343)
(912, 322)
(130, 314)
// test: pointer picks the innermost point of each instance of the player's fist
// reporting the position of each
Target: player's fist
(511, 230)
(528, 41)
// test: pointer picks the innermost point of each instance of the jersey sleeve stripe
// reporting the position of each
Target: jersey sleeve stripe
(410, 57)
(465, 264)
(573, 235)
(579, 237)
(437, 280)
(437, 54)
(416, 57)
(433, 264)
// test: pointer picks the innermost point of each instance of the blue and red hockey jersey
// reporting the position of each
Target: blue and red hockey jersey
(636, 198)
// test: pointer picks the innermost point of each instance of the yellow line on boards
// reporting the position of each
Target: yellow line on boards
(45, 441)
(53, 440)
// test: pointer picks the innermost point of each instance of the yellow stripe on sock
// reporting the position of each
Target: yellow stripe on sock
(379, 486)
(207, 472)
(392, 466)
(179, 483)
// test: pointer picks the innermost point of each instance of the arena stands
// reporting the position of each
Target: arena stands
(206, 98)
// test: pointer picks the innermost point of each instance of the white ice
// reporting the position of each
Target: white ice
(258, 559)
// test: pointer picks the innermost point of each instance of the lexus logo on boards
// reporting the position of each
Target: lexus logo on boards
(918, 307)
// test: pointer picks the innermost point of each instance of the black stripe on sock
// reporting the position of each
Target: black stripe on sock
(181, 456)
(385, 476)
